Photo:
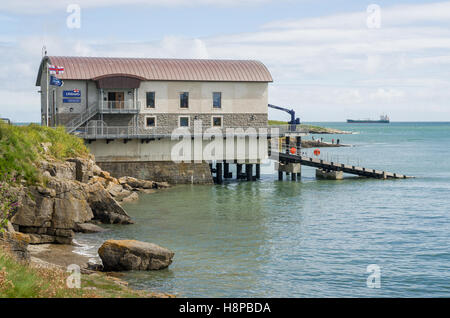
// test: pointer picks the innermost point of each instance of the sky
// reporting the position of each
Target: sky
(330, 60)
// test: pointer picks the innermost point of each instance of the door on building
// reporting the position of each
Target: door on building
(116, 100)
(120, 99)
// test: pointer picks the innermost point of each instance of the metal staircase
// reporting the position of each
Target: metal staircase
(72, 125)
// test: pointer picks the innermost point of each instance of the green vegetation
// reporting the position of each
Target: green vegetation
(277, 122)
(21, 146)
(20, 280)
(310, 128)
(315, 129)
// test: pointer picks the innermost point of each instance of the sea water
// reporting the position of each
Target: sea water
(308, 238)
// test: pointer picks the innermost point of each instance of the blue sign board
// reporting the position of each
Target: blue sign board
(72, 93)
(55, 81)
(71, 100)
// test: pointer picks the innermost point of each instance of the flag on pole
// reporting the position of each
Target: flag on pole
(55, 70)
(55, 81)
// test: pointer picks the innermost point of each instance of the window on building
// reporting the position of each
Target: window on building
(150, 99)
(150, 121)
(184, 121)
(217, 100)
(217, 121)
(184, 100)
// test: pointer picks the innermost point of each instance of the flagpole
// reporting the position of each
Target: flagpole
(47, 96)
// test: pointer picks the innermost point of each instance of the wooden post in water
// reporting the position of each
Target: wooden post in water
(258, 171)
(280, 175)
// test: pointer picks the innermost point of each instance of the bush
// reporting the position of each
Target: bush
(21, 147)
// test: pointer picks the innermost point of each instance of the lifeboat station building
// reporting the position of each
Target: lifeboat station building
(126, 109)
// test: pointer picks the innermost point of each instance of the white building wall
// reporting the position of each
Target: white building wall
(242, 97)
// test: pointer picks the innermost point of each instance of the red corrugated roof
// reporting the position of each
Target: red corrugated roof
(87, 68)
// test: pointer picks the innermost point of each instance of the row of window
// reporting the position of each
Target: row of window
(184, 99)
(183, 121)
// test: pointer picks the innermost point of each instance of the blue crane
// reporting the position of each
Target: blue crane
(294, 121)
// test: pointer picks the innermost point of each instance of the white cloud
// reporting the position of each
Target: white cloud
(43, 6)
(327, 68)
(390, 16)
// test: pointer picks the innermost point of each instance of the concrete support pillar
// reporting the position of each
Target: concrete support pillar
(258, 171)
(299, 145)
(293, 176)
(219, 172)
(280, 175)
(330, 175)
(249, 171)
(238, 171)
(288, 144)
(299, 175)
(226, 170)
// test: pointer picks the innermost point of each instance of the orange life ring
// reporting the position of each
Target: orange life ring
(316, 152)
(293, 150)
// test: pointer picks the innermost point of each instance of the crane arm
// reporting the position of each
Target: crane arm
(294, 121)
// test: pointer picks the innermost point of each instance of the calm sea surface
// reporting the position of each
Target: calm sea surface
(308, 238)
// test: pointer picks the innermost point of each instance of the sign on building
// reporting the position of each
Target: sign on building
(71, 100)
(72, 93)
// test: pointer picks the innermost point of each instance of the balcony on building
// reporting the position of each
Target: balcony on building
(118, 94)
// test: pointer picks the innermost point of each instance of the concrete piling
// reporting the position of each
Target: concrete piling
(249, 171)
(226, 170)
(219, 172)
(238, 171)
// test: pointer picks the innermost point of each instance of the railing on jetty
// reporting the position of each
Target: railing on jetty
(333, 166)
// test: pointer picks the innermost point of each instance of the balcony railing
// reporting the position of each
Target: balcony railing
(118, 132)
(119, 107)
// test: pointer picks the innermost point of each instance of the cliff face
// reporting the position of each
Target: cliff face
(75, 191)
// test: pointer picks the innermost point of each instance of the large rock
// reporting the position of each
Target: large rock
(16, 243)
(137, 183)
(63, 170)
(88, 228)
(118, 192)
(34, 208)
(50, 214)
(122, 255)
(104, 207)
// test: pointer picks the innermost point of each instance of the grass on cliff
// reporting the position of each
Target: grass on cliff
(20, 147)
(311, 128)
(20, 280)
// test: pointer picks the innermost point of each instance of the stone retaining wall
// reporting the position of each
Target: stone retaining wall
(161, 171)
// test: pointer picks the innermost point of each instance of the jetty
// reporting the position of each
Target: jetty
(290, 160)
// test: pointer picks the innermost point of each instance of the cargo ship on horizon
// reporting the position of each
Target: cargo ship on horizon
(384, 119)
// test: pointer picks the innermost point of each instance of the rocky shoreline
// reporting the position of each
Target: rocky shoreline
(76, 195)
(321, 144)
